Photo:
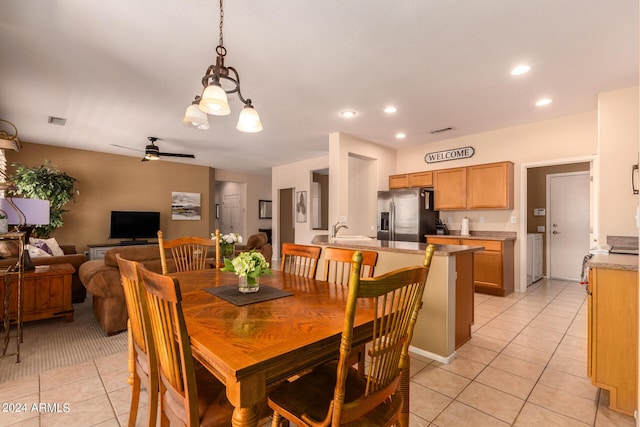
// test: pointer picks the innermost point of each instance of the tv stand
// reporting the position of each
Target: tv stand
(97, 251)
(134, 242)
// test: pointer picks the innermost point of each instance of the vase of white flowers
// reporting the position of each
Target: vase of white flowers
(227, 242)
(248, 266)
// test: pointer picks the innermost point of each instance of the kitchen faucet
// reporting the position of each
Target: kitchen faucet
(335, 228)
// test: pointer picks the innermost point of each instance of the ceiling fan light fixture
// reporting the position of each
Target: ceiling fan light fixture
(195, 117)
(249, 120)
(214, 99)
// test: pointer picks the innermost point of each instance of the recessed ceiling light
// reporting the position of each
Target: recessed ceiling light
(542, 102)
(348, 113)
(401, 135)
(390, 110)
(520, 69)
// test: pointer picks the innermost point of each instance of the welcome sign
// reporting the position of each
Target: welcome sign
(454, 154)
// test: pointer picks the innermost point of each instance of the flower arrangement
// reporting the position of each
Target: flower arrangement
(226, 243)
(250, 265)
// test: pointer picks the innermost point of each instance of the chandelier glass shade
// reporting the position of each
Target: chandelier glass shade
(195, 117)
(218, 82)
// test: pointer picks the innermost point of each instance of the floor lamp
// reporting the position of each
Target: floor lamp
(25, 214)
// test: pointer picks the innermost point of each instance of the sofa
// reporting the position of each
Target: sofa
(9, 257)
(102, 279)
(258, 242)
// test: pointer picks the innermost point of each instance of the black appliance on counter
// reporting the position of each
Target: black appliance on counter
(441, 228)
(406, 215)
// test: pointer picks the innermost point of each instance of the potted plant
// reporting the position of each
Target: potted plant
(248, 266)
(227, 242)
(45, 182)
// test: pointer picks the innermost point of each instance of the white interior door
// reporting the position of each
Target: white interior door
(231, 215)
(568, 223)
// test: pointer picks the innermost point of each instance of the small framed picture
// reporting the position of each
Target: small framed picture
(301, 206)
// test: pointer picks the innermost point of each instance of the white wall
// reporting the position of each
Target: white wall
(617, 152)
(295, 175)
(342, 147)
(363, 198)
(566, 138)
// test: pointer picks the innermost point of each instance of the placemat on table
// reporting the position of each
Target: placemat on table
(230, 293)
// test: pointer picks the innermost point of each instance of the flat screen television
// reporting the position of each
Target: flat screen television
(134, 225)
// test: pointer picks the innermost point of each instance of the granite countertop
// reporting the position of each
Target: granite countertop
(479, 235)
(393, 246)
(614, 262)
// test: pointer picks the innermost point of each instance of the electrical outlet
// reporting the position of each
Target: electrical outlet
(481, 220)
(514, 219)
(449, 219)
(343, 218)
(541, 229)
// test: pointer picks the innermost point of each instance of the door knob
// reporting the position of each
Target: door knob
(556, 232)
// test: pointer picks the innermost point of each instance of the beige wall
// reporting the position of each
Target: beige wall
(617, 152)
(111, 182)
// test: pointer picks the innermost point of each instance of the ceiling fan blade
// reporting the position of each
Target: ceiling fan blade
(128, 148)
(190, 156)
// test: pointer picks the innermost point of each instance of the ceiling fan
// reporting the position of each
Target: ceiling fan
(152, 151)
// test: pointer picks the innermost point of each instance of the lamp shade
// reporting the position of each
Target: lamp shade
(195, 117)
(249, 120)
(25, 211)
(214, 101)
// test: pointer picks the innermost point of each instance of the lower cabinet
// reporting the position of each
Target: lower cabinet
(493, 267)
(612, 348)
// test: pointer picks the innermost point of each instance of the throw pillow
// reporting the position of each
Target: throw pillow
(51, 243)
(35, 252)
(43, 246)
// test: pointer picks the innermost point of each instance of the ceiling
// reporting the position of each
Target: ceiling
(120, 71)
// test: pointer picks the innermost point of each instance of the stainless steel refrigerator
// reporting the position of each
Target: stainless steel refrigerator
(406, 214)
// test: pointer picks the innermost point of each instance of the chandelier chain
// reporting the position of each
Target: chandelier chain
(221, 22)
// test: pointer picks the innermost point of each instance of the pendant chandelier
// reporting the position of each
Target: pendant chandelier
(214, 96)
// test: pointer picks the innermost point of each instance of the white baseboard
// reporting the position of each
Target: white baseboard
(446, 360)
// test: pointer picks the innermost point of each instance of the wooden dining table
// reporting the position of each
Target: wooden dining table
(253, 347)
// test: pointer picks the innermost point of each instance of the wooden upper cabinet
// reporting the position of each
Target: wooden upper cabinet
(399, 181)
(450, 188)
(490, 186)
(421, 179)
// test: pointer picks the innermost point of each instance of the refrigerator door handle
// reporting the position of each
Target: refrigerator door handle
(392, 221)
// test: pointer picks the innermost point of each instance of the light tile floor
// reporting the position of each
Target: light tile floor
(524, 366)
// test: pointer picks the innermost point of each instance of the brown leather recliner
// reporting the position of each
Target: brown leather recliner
(257, 242)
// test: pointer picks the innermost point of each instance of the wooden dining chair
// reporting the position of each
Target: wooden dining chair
(337, 264)
(143, 367)
(337, 394)
(337, 267)
(189, 394)
(301, 260)
(189, 253)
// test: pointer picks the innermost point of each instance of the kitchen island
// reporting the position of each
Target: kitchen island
(445, 321)
(612, 332)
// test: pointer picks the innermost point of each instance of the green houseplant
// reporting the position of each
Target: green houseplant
(45, 182)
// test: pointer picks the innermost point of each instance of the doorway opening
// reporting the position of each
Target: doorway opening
(535, 211)
(286, 223)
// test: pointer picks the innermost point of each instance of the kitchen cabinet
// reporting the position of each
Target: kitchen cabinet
(398, 181)
(493, 267)
(490, 186)
(612, 343)
(450, 187)
(411, 180)
(421, 179)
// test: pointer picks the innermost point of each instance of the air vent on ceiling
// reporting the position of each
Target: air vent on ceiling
(433, 132)
(57, 120)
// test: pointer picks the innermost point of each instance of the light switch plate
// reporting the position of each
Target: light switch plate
(514, 219)
(541, 229)
(343, 218)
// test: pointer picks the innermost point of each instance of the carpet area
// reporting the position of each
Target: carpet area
(53, 343)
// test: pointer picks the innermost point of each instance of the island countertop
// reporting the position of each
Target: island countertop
(392, 246)
(614, 262)
(478, 235)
